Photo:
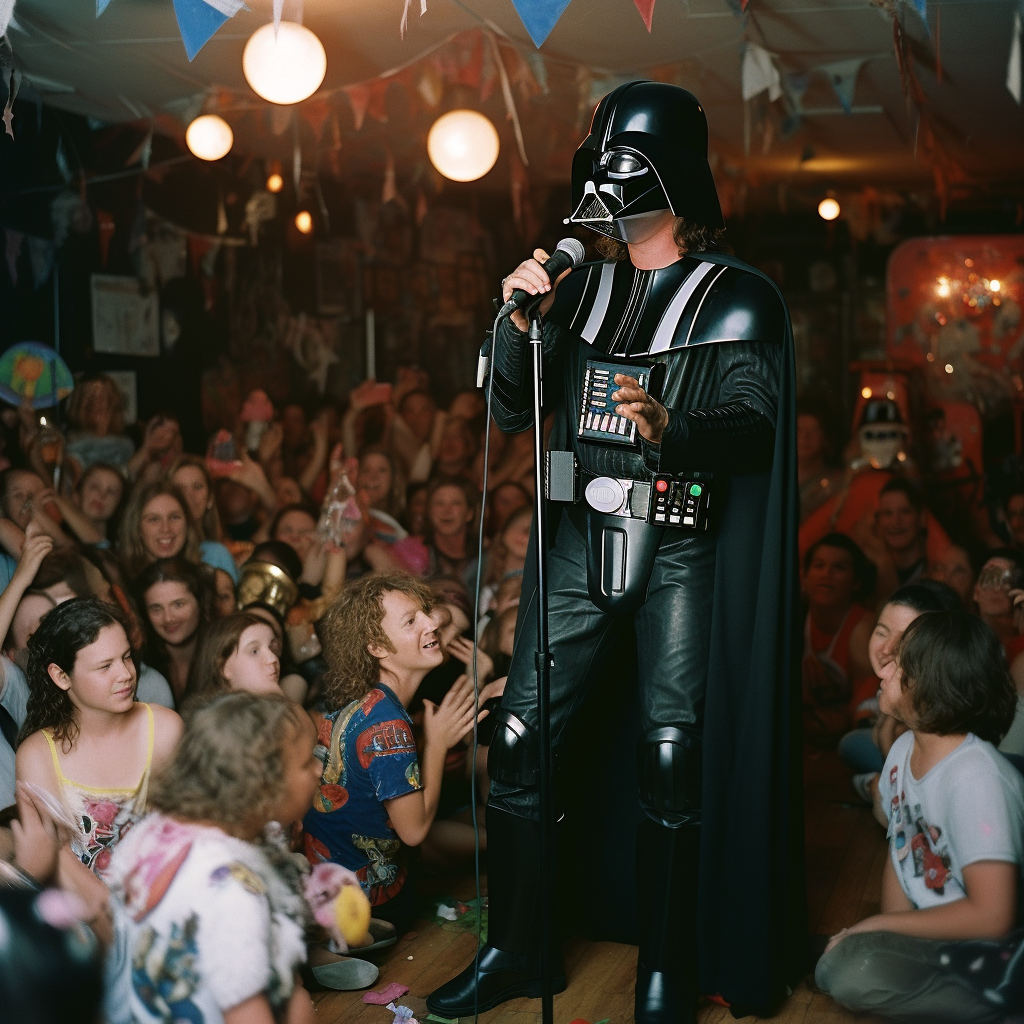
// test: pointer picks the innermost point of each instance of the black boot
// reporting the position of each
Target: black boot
(509, 964)
(666, 969)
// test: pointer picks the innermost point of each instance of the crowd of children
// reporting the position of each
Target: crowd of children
(215, 701)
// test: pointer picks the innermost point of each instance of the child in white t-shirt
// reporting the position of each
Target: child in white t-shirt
(216, 914)
(943, 947)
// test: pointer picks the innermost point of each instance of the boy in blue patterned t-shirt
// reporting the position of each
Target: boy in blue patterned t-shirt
(376, 793)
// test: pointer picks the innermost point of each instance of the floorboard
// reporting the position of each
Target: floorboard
(845, 853)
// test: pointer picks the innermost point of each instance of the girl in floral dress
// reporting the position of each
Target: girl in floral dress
(214, 900)
(85, 739)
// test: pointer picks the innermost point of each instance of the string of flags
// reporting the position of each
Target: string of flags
(539, 17)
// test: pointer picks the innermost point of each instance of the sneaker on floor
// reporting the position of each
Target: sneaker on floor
(340, 973)
(862, 786)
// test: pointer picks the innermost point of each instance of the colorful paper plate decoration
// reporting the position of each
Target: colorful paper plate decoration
(36, 372)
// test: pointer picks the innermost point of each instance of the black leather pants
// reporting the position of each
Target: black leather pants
(672, 632)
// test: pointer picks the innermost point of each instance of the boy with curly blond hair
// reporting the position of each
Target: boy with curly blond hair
(377, 794)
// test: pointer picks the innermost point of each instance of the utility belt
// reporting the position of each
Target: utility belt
(676, 502)
(622, 523)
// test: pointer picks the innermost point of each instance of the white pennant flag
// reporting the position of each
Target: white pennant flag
(278, 7)
(759, 73)
(1013, 69)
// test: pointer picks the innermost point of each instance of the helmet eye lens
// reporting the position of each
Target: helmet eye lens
(624, 163)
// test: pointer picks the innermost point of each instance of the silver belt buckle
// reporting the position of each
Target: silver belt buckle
(609, 495)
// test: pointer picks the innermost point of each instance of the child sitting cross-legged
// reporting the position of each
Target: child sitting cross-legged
(377, 794)
(946, 946)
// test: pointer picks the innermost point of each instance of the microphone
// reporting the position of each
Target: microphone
(568, 255)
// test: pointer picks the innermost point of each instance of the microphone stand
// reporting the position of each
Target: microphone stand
(543, 662)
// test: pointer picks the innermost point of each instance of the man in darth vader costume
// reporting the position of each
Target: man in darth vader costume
(671, 480)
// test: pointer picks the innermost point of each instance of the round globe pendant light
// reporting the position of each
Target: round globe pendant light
(463, 145)
(828, 209)
(304, 221)
(209, 137)
(287, 67)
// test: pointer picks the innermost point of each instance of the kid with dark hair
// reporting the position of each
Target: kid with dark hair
(951, 885)
(85, 739)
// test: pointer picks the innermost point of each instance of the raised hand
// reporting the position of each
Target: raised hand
(462, 650)
(650, 416)
(530, 277)
(448, 722)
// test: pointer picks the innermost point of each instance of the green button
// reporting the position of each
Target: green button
(695, 489)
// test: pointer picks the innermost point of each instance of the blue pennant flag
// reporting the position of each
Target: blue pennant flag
(101, 6)
(539, 17)
(197, 22)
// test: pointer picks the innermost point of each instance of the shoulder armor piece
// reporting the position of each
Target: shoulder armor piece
(738, 306)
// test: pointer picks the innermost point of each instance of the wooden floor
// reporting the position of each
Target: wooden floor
(845, 854)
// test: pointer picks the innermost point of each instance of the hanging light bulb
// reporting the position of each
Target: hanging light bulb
(828, 209)
(275, 182)
(209, 137)
(287, 67)
(304, 221)
(463, 145)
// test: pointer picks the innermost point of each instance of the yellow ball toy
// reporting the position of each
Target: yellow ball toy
(352, 913)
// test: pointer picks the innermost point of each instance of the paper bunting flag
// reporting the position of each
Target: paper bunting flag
(278, 8)
(843, 76)
(539, 17)
(101, 6)
(14, 240)
(198, 20)
(404, 26)
(389, 193)
(40, 254)
(759, 73)
(105, 226)
(359, 97)
(646, 9)
(1013, 69)
(6, 13)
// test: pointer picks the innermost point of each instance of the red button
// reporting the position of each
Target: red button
(661, 485)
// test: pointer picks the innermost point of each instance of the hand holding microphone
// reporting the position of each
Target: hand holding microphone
(539, 277)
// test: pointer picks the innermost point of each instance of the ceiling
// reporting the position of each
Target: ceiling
(130, 65)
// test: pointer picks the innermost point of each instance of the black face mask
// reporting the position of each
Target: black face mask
(621, 196)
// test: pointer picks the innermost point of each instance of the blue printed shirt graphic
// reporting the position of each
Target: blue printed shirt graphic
(369, 757)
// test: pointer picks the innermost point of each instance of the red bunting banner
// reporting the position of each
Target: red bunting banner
(105, 227)
(646, 9)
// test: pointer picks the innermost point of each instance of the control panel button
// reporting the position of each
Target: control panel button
(661, 486)
(696, 489)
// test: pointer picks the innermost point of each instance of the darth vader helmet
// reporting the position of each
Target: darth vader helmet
(647, 152)
(882, 434)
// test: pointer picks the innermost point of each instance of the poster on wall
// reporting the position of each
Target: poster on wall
(125, 322)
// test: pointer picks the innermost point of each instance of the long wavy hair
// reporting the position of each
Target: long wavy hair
(688, 237)
(61, 634)
(80, 410)
(209, 525)
(229, 765)
(133, 554)
(354, 622)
